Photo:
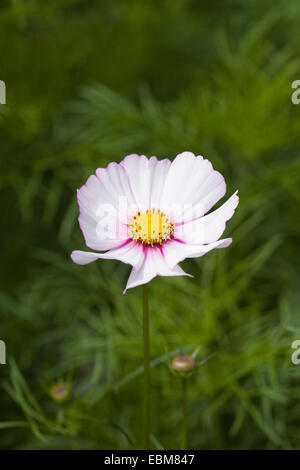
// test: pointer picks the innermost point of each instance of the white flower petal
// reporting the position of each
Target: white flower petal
(160, 170)
(102, 232)
(153, 265)
(209, 228)
(104, 202)
(83, 257)
(116, 184)
(146, 178)
(191, 188)
(176, 251)
(130, 253)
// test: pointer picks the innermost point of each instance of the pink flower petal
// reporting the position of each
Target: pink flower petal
(154, 265)
(104, 201)
(130, 253)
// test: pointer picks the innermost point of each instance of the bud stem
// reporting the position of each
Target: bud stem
(146, 366)
(184, 381)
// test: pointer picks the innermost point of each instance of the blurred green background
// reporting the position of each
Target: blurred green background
(87, 83)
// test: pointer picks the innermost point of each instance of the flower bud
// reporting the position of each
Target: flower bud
(60, 392)
(183, 364)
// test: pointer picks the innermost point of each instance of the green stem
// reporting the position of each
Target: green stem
(146, 367)
(184, 413)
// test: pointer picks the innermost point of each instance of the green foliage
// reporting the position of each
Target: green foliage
(87, 83)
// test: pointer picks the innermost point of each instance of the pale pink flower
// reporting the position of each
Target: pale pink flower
(150, 214)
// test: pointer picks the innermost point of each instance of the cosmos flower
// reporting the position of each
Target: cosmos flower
(152, 214)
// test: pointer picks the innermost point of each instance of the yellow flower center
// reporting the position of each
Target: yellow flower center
(151, 227)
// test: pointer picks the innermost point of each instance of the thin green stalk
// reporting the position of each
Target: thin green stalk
(184, 413)
(146, 367)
